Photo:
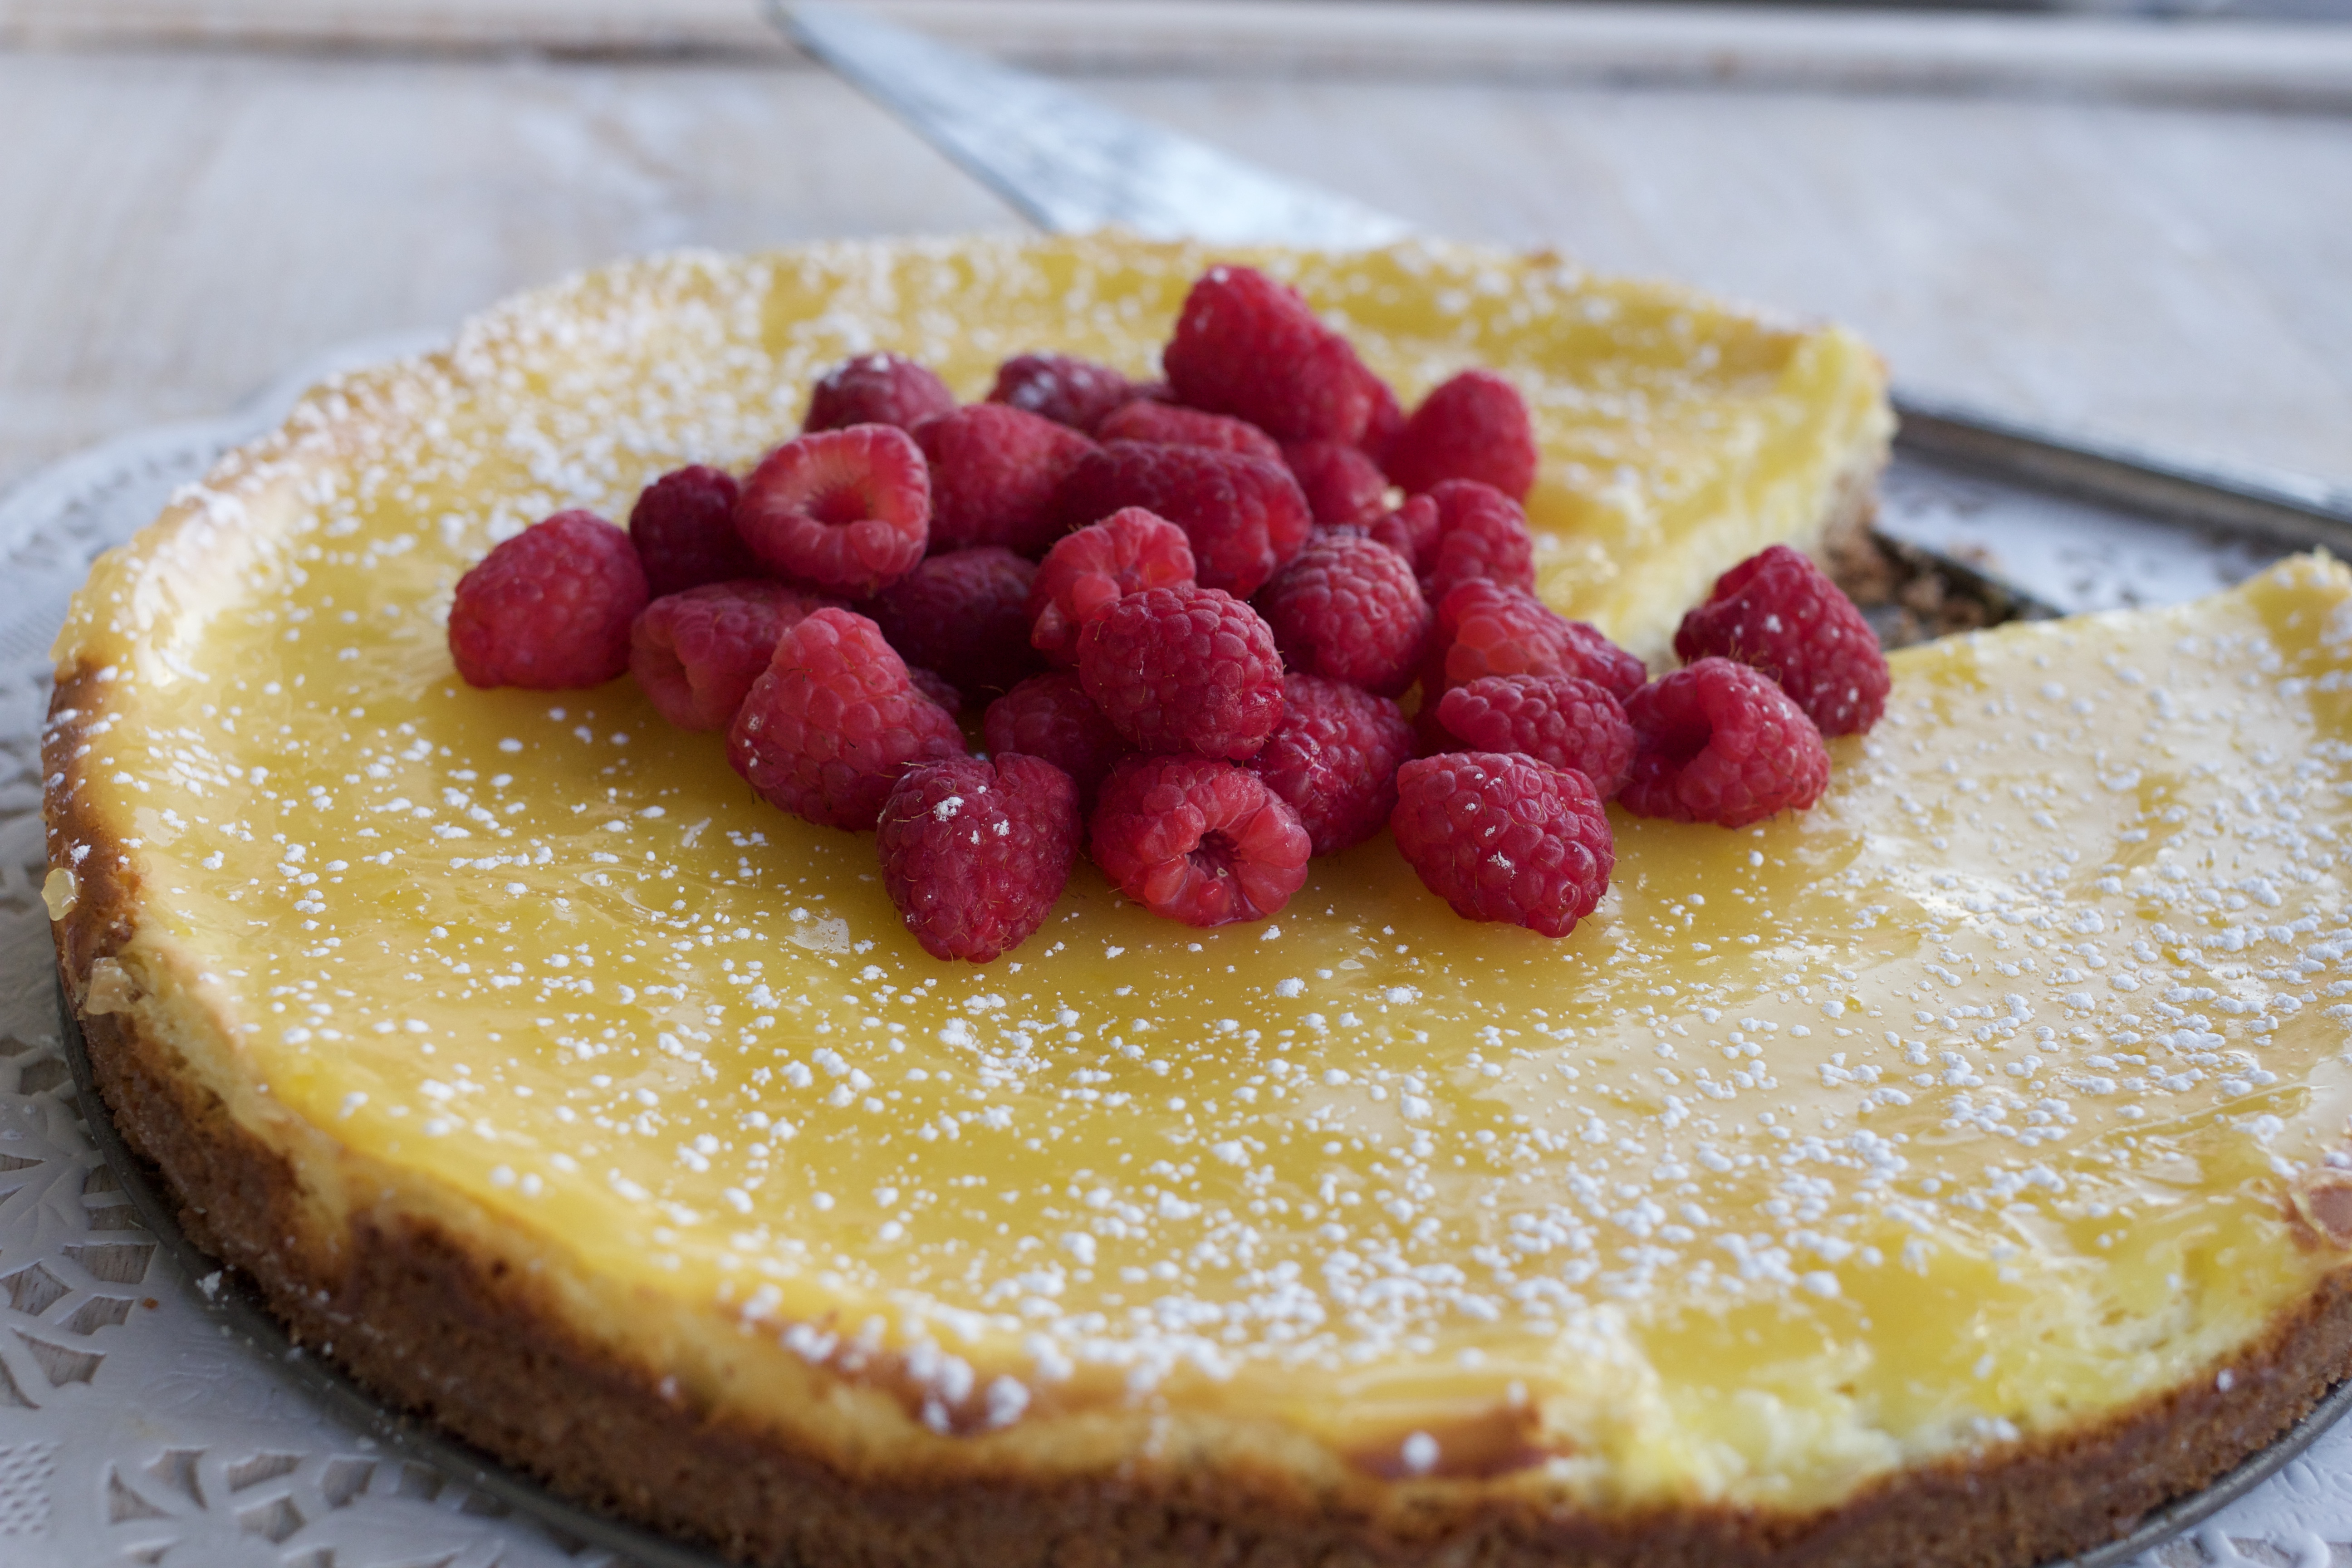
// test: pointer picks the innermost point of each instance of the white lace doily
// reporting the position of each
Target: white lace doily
(135, 1430)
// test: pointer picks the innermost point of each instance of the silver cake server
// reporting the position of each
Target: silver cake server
(1066, 163)
(2057, 523)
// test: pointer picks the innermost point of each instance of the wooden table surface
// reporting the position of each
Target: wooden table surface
(2136, 230)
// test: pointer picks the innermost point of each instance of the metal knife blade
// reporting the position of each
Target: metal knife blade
(1070, 165)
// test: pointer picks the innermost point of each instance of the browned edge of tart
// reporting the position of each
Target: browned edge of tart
(459, 1333)
(1852, 504)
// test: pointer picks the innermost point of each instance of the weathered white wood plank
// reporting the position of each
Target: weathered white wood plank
(238, 215)
(637, 28)
(2193, 59)
(183, 226)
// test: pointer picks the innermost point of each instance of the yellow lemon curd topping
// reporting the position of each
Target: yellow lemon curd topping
(1955, 1109)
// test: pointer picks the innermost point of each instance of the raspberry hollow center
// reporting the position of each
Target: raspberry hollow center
(840, 504)
(1205, 866)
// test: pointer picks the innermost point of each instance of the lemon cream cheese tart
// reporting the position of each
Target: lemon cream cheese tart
(1948, 1175)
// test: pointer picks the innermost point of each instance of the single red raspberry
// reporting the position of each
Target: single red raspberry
(830, 725)
(1051, 716)
(1718, 742)
(965, 615)
(1347, 609)
(1412, 531)
(684, 528)
(1564, 721)
(1505, 838)
(1164, 423)
(975, 853)
(994, 470)
(1333, 759)
(876, 389)
(548, 608)
(1383, 427)
(1342, 486)
(848, 510)
(1246, 345)
(1073, 392)
(1129, 551)
(1474, 426)
(696, 653)
(1183, 669)
(1196, 840)
(1485, 628)
(1481, 532)
(1245, 516)
(1781, 613)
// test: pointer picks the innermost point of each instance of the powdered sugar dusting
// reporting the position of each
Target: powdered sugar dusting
(2042, 995)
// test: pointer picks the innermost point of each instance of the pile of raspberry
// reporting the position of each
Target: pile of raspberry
(1186, 612)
